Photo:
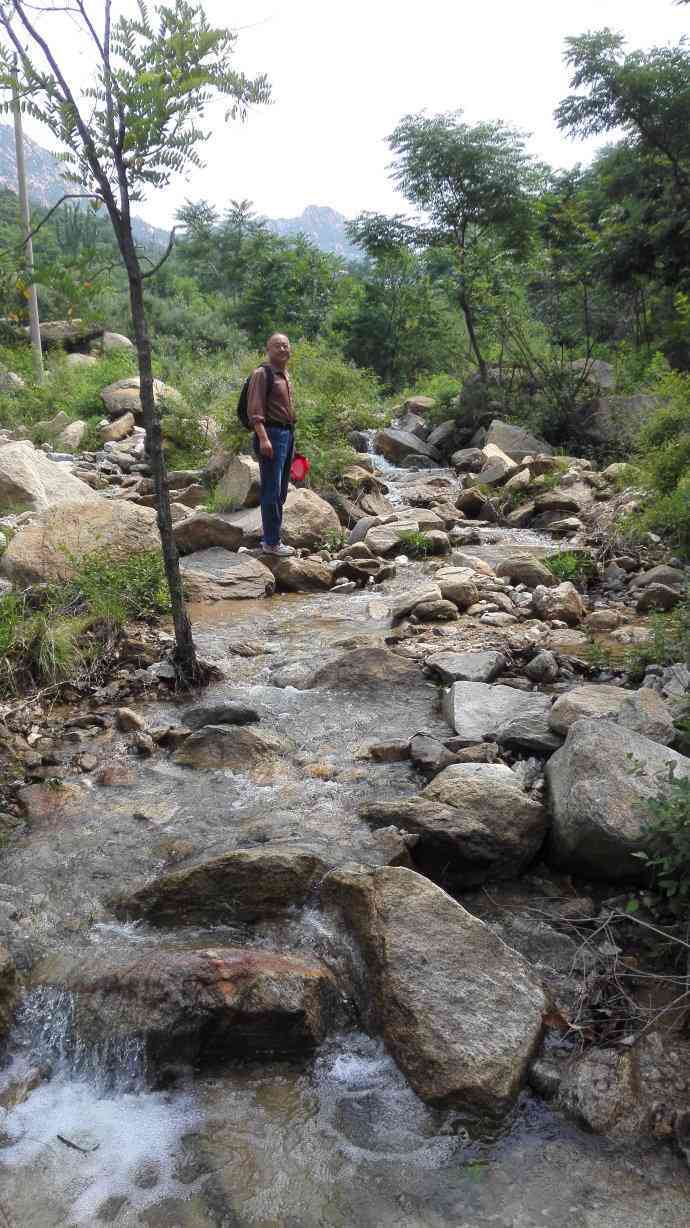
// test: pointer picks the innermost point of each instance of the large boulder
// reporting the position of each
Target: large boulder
(115, 341)
(459, 1011)
(587, 702)
(219, 575)
(239, 484)
(477, 710)
(361, 668)
(496, 823)
(516, 442)
(117, 429)
(239, 885)
(600, 781)
(645, 712)
(525, 569)
(307, 521)
(459, 585)
(204, 530)
(29, 481)
(123, 397)
(51, 548)
(68, 334)
(231, 746)
(194, 1005)
(397, 446)
(295, 575)
(562, 602)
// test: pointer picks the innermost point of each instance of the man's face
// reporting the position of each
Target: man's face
(279, 349)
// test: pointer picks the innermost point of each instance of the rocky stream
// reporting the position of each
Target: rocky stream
(333, 943)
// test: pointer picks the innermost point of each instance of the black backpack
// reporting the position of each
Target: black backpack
(244, 396)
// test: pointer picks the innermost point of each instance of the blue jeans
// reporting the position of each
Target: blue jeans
(275, 476)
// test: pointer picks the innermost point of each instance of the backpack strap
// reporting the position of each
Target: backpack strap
(269, 381)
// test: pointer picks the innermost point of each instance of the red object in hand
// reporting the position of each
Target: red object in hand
(299, 468)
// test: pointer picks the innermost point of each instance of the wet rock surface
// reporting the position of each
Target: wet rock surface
(437, 978)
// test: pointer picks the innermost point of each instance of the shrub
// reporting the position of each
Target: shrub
(668, 850)
(74, 390)
(664, 459)
(573, 565)
(669, 644)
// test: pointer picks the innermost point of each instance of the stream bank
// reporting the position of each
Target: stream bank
(335, 1135)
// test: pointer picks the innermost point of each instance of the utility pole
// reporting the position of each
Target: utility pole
(34, 326)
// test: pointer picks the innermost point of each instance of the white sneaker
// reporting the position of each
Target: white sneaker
(282, 551)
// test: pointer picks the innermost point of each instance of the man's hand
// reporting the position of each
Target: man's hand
(265, 445)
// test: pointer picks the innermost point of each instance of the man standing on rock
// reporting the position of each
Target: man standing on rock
(271, 414)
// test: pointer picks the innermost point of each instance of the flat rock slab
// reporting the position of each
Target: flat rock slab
(398, 445)
(477, 710)
(231, 746)
(219, 714)
(199, 1004)
(467, 666)
(460, 1012)
(599, 782)
(365, 667)
(220, 575)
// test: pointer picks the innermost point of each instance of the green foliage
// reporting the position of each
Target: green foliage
(667, 855)
(573, 565)
(443, 387)
(130, 588)
(74, 390)
(664, 459)
(58, 632)
(219, 503)
(669, 644)
(334, 540)
(415, 543)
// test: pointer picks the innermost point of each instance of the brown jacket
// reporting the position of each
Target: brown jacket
(279, 411)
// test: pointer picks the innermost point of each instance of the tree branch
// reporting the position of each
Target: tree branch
(161, 262)
(49, 214)
(89, 147)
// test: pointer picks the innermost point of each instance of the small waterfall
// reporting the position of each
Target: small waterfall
(46, 1034)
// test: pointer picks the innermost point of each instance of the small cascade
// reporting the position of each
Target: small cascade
(47, 1035)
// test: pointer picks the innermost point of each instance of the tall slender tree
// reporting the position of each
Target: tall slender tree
(130, 130)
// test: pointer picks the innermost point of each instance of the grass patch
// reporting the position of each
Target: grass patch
(59, 632)
(573, 565)
(416, 543)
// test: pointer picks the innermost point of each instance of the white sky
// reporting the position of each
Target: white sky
(343, 75)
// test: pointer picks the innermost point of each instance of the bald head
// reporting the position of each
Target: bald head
(278, 350)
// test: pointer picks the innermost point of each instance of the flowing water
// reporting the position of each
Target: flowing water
(337, 1140)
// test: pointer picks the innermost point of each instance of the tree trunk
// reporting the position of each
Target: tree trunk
(185, 661)
(469, 323)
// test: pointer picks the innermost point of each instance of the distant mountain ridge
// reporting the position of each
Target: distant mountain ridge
(46, 185)
(325, 227)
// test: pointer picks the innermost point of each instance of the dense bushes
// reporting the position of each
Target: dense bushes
(74, 390)
(664, 459)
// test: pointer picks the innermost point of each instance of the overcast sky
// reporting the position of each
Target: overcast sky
(343, 75)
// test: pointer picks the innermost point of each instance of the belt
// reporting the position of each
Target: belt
(281, 426)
